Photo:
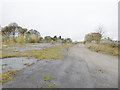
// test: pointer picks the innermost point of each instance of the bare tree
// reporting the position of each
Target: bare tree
(100, 30)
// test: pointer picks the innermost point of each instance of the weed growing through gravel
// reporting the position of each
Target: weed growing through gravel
(47, 78)
(27, 64)
(51, 86)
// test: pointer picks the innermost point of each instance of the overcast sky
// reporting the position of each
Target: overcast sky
(66, 18)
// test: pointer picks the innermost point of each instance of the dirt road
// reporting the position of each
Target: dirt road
(82, 68)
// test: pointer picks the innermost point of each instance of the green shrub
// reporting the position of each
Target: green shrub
(84, 42)
(40, 40)
(53, 42)
(11, 41)
(31, 38)
(34, 38)
(47, 78)
(20, 39)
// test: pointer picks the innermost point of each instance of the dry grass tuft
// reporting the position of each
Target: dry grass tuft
(111, 49)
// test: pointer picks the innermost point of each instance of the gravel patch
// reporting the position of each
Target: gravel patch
(16, 63)
(22, 49)
(31, 47)
(45, 45)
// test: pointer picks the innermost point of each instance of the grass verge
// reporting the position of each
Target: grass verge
(111, 49)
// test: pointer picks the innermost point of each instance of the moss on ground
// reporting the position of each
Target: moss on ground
(47, 78)
(8, 76)
(18, 45)
(4, 64)
(51, 86)
(9, 55)
(47, 53)
(27, 64)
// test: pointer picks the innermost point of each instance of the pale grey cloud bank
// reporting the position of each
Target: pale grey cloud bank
(68, 18)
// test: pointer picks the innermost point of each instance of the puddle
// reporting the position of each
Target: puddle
(16, 63)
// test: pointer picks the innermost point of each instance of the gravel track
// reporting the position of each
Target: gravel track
(82, 68)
